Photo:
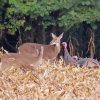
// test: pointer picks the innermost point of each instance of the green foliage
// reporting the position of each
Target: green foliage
(83, 10)
(70, 12)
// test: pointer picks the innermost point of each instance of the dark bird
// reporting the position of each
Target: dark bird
(67, 57)
(86, 62)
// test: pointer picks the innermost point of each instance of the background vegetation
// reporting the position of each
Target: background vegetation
(34, 20)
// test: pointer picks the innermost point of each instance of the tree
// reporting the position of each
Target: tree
(69, 13)
(43, 16)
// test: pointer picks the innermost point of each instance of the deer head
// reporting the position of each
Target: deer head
(56, 40)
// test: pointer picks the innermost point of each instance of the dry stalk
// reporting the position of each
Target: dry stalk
(91, 45)
(71, 47)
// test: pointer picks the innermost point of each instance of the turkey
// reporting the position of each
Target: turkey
(75, 58)
(68, 59)
(87, 62)
(80, 61)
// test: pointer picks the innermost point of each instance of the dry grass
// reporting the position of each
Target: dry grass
(50, 82)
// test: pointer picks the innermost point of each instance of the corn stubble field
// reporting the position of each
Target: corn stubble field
(54, 81)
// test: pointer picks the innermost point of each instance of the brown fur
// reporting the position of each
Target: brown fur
(25, 61)
(50, 51)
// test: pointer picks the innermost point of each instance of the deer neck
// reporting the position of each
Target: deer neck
(40, 56)
(57, 48)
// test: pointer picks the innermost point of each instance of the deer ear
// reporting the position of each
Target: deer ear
(61, 35)
(53, 35)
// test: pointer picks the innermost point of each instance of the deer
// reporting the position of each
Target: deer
(24, 61)
(50, 52)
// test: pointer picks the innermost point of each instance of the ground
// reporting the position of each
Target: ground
(50, 82)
